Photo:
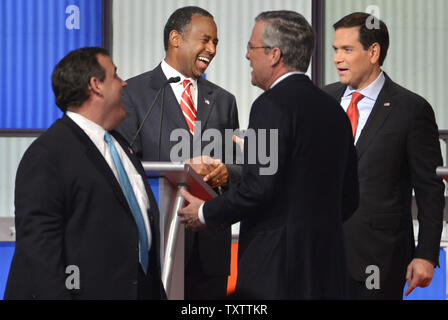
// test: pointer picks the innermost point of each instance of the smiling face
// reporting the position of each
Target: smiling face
(356, 66)
(191, 53)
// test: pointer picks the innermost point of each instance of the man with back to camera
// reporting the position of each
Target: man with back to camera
(190, 40)
(85, 216)
(291, 243)
(398, 148)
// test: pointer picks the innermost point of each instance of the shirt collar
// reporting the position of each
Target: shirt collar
(170, 72)
(279, 79)
(88, 126)
(372, 91)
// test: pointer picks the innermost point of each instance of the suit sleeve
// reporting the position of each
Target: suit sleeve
(424, 157)
(255, 189)
(234, 169)
(129, 126)
(39, 203)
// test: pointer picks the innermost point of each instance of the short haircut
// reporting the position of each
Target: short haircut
(71, 76)
(292, 34)
(179, 19)
(368, 35)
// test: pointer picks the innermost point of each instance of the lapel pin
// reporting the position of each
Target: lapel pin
(387, 104)
(206, 101)
(130, 151)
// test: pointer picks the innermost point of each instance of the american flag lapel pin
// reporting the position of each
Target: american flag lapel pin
(387, 104)
(206, 101)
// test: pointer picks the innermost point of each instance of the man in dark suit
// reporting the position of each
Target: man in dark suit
(291, 241)
(190, 39)
(86, 219)
(398, 151)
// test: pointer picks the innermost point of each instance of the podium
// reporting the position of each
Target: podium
(166, 180)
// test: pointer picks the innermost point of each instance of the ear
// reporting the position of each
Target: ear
(96, 86)
(174, 39)
(374, 53)
(275, 56)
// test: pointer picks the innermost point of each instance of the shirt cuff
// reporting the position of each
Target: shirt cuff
(201, 214)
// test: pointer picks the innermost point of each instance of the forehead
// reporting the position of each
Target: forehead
(106, 62)
(257, 32)
(347, 35)
(200, 25)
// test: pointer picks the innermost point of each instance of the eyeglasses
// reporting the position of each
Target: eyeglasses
(250, 48)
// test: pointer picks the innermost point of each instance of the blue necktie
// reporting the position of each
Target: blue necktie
(132, 201)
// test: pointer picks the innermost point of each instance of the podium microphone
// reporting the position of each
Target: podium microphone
(162, 89)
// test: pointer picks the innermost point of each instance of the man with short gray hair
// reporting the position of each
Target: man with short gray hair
(291, 243)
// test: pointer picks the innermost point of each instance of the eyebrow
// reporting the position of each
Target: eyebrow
(342, 47)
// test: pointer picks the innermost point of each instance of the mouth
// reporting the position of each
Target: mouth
(342, 71)
(204, 62)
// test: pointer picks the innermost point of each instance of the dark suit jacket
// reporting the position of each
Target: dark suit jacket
(398, 151)
(291, 241)
(70, 210)
(216, 110)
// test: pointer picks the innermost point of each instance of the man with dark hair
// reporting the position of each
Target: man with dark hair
(85, 216)
(398, 148)
(190, 38)
(291, 244)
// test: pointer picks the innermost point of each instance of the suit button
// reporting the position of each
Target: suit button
(135, 282)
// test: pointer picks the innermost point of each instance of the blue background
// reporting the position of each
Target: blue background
(34, 38)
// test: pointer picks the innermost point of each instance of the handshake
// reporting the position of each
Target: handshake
(215, 174)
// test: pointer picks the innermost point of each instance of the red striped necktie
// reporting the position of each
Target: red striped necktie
(352, 111)
(186, 104)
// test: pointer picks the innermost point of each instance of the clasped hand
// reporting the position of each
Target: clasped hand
(212, 171)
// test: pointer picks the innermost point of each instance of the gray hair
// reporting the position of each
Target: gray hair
(292, 34)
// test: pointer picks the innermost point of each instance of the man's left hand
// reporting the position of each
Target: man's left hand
(419, 274)
(189, 214)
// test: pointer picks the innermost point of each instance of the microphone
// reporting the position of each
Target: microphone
(162, 89)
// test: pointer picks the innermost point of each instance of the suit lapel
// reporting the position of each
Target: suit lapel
(170, 105)
(378, 116)
(206, 103)
(97, 159)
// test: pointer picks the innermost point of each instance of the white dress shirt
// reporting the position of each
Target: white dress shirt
(96, 134)
(177, 87)
(365, 105)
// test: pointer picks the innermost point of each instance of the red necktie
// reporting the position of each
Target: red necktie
(186, 104)
(352, 111)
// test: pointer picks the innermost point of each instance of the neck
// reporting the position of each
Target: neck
(90, 112)
(172, 62)
(276, 73)
(368, 79)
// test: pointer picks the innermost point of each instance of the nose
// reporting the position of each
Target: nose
(337, 57)
(211, 48)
